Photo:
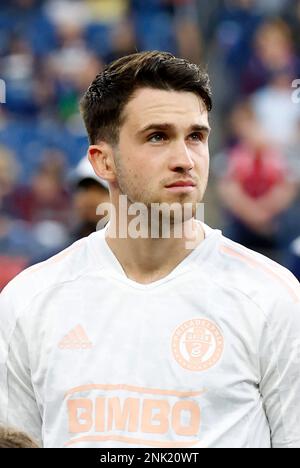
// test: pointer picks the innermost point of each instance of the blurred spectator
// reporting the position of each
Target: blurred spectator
(9, 171)
(256, 185)
(154, 25)
(188, 34)
(273, 54)
(277, 115)
(26, 19)
(233, 27)
(61, 12)
(11, 438)
(72, 67)
(47, 197)
(18, 71)
(122, 39)
(89, 193)
(229, 32)
(35, 219)
(108, 11)
(16, 241)
(110, 33)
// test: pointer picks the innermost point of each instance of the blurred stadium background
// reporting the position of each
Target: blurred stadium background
(51, 50)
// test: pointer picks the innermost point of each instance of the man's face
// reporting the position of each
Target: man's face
(164, 139)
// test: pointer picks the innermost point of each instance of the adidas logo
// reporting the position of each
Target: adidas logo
(75, 339)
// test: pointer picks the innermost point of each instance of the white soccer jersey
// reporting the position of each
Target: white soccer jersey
(208, 356)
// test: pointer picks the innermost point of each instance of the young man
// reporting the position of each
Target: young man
(152, 340)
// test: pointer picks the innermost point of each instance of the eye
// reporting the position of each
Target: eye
(157, 137)
(197, 136)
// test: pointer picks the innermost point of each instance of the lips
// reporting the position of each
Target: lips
(181, 183)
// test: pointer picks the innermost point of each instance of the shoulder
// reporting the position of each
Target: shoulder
(66, 266)
(244, 272)
(256, 275)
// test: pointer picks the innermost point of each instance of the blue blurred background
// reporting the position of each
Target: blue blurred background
(51, 50)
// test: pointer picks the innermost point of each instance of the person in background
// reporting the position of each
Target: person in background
(16, 240)
(11, 438)
(273, 51)
(276, 113)
(256, 185)
(89, 192)
(46, 197)
(9, 170)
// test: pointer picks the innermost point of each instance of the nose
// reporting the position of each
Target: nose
(180, 159)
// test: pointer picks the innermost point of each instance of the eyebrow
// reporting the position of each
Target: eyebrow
(171, 127)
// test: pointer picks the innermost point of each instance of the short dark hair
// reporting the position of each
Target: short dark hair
(11, 438)
(103, 103)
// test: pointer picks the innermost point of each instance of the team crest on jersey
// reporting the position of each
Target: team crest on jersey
(197, 344)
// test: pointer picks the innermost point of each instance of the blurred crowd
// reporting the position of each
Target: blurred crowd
(51, 50)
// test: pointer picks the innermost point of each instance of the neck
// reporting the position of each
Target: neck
(149, 259)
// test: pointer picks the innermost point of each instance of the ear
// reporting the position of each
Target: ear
(101, 158)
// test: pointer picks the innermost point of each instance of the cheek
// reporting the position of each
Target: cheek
(139, 170)
(133, 177)
(204, 162)
(135, 174)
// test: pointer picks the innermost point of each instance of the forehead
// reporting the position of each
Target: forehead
(177, 107)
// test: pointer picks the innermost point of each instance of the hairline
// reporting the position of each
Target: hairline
(124, 116)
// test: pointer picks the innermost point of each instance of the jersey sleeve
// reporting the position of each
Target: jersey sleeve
(280, 372)
(18, 404)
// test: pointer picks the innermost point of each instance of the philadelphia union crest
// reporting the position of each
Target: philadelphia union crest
(197, 344)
